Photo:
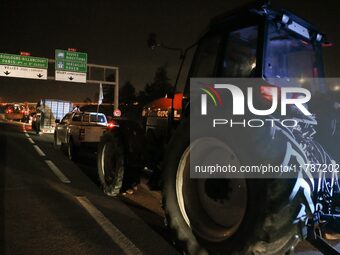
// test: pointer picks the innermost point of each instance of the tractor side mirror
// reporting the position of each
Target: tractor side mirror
(57, 121)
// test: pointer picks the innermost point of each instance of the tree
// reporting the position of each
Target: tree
(142, 98)
(127, 93)
(160, 86)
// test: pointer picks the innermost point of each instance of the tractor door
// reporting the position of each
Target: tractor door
(230, 50)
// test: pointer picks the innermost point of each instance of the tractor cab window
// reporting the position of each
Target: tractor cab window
(291, 56)
(206, 56)
(240, 53)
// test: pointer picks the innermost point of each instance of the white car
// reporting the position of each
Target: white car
(79, 129)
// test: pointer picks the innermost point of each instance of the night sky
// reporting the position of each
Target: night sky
(115, 32)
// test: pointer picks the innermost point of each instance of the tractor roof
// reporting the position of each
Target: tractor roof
(260, 9)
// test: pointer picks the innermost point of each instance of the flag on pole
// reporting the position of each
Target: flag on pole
(101, 96)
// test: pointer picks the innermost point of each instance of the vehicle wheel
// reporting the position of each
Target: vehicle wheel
(228, 216)
(56, 141)
(71, 150)
(111, 164)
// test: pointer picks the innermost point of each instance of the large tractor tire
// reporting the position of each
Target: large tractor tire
(230, 216)
(111, 164)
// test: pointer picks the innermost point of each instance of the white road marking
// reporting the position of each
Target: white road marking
(30, 140)
(27, 135)
(39, 151)
(118, 237)
(57, 171)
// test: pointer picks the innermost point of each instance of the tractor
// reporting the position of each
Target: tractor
(237, 215)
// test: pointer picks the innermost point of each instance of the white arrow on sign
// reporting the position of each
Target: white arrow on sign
(23, 72)
(70, 76)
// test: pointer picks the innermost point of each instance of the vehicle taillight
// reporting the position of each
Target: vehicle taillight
(327, 44)
(82, 134)
(267, 92)
(112, 124)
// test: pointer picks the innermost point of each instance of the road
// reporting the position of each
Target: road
(52, 205)
(45, 213)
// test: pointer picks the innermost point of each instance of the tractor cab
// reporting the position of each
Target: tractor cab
(260, 41)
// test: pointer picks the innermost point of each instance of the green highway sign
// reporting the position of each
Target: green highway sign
(23, 61)
(70, 66)
(71, 56)
(71, 61)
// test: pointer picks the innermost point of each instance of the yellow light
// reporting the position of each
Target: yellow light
(336, 87)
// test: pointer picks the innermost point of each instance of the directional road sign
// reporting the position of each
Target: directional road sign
(12, 65)
(70, 66)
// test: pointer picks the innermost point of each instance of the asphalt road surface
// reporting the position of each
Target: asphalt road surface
(51, 205)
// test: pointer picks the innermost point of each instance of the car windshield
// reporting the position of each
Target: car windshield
(290, 57)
